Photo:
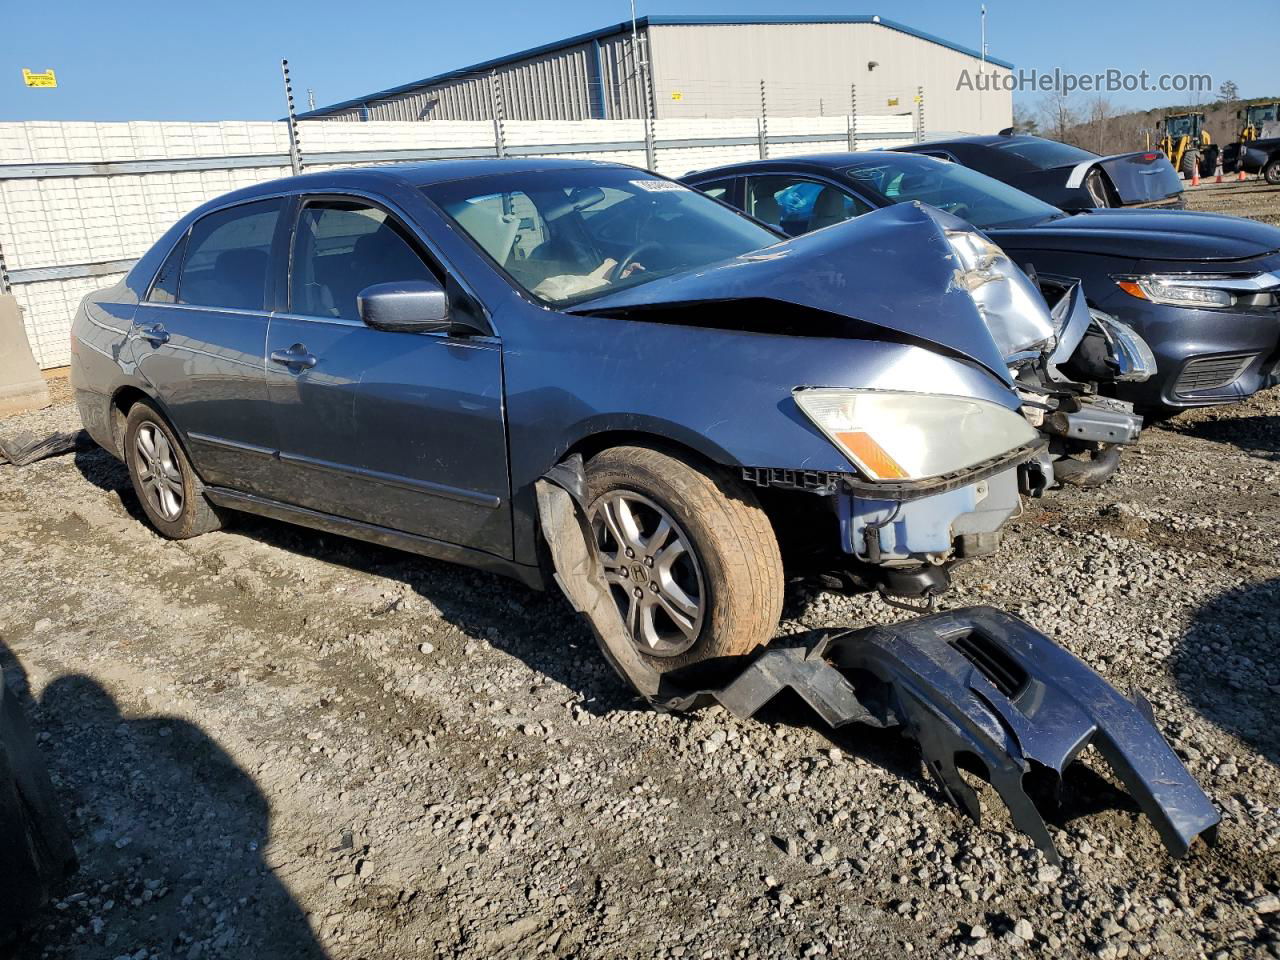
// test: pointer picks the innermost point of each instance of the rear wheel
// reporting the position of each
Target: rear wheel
(691, 560)
(170, 492)
(1271, 172)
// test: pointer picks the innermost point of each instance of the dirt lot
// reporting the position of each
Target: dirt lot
(273, 743)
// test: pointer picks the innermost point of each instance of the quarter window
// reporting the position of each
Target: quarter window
(164, 289)
(340, 248)
(228, 256)
(799, 205)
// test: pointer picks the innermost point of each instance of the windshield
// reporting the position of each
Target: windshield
(1044, 153)
(972, 196)
(566, 236)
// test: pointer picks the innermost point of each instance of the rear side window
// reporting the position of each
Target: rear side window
(340, 248)
(164, 289)
(228, 257)
(799, 205)
(719, 189)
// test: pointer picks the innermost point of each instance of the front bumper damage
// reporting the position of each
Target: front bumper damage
(966, 683)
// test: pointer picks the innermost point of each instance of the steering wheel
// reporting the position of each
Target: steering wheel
(621, 267)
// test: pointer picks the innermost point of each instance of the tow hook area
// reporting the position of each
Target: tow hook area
(969, 683)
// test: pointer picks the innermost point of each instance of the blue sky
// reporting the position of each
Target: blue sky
(145, 60)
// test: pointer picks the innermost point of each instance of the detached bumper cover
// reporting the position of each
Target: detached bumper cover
(973, 681)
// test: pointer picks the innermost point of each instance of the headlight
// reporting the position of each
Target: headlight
(1012, 307)
(913, 436)
(1176, 292)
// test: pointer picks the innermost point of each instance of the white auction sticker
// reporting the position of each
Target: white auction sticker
(657, 186)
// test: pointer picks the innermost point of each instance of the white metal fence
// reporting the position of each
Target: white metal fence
(79, 202)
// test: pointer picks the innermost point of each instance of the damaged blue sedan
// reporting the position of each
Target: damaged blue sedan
(590, 373)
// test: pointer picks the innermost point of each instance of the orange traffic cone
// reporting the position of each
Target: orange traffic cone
(1195, 175)
(1217, 173)
(1240, 167)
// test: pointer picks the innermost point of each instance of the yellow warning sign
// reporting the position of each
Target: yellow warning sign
(893, 101)
(45, 79)
(677, 95)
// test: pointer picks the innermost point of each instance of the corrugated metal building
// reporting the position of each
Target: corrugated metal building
(710, 67)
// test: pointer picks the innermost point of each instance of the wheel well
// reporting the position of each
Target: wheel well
(596, 443)
(121, 403)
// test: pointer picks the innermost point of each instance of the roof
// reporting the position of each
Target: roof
(641, 22)
(813, 162)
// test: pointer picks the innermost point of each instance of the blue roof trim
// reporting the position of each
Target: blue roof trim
(625, 27)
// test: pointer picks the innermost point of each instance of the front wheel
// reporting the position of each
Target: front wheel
(1271, 172)
(691, 560)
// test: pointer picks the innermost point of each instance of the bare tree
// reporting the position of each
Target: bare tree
(1059, 113)
(1229, 92)
(1100, 112)
(1024, 120)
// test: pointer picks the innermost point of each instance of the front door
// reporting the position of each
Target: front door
(401, 430)
(198, 339)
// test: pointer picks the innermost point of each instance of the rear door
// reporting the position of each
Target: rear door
(401, 430)
(199, 337)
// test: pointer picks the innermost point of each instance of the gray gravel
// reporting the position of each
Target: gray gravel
(275, 743)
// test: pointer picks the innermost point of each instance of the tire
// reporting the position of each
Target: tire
(1190, 164)
(1096, 186)
(1209, 160)
(1271, 172)
(176, 505)
(717, 565)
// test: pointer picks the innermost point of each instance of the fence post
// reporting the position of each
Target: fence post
(762, 125)
(853, 117)
(295, 147)
(497, 108)
(919, 114)
(5, 285)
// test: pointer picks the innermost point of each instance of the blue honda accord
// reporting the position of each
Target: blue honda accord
(401, 353)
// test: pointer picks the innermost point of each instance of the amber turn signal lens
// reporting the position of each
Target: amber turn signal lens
(871, 456)
(1133, 289)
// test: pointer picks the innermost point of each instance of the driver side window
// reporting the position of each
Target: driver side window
(340, 247)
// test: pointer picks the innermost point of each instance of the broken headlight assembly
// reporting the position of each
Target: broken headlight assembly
(1011, 305)
(896, 437)
(1205, 291)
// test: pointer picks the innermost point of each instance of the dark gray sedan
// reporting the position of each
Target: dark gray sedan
(399, 354)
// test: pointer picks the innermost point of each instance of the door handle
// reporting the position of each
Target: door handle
(154, 333)
(295, 356)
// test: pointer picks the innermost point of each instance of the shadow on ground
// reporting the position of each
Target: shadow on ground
(169, 833)
(1225, 664)
(1258, 435)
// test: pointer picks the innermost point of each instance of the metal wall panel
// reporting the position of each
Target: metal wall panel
(715, 71)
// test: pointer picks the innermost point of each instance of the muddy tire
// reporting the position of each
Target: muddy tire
(166, 485)
(690, 557)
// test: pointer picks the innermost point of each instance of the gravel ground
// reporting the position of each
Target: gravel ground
(1253, 198)
(275, 743)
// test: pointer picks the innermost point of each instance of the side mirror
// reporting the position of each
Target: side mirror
(409, 306)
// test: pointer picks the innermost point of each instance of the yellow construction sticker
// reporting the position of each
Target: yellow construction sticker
(46, 79)
(677, 95)
(893, 101)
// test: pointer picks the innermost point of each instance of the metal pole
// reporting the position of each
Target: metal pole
(499, 112)
(853, 117)
(5, 285)
(764, 124)
(646, 92)
(919, 114)
(295, 148)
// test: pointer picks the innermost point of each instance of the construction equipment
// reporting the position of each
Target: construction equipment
(1186, 142)
(1258, 121)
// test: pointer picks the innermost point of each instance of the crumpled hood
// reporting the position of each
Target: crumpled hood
(1146, 234)
(892, 268)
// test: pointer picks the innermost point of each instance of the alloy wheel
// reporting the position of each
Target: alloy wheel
(652, 572)
(158, 472)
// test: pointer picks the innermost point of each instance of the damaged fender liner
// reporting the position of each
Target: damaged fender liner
(974, 682)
